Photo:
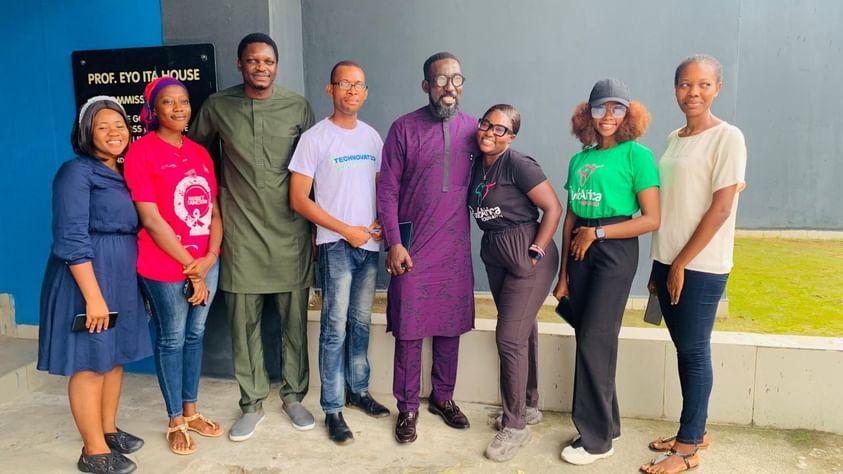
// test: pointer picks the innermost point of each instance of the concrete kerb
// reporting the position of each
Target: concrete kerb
(766, 380)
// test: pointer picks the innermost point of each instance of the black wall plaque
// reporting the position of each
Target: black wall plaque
(124, 73)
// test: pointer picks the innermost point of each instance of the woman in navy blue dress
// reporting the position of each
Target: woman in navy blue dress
(91, 270)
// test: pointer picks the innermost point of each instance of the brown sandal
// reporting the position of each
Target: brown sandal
(183, 429)
(690, 460)
(666, 444)
(214, 426)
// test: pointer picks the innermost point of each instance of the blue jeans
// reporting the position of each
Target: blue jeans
(690, 324)
(178, 329)
(348, 287)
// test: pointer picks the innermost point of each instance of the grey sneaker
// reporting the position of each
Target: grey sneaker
(506, 443)
(532, 417)
(244, 428)
(301, 418)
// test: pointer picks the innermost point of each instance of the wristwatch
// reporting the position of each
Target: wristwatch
(600, 233)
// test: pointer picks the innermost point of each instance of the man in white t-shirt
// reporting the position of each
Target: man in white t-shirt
(339, 159)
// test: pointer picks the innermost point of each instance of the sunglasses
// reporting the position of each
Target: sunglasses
(457, 80)
(599, 111)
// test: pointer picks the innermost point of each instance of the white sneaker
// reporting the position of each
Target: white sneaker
(580, 457)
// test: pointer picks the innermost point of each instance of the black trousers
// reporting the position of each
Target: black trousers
(519, 289)
(599, 287)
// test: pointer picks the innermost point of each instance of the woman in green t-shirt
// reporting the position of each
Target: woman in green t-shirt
(609, 181)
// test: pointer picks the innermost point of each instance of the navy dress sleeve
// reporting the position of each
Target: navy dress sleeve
(71, 213)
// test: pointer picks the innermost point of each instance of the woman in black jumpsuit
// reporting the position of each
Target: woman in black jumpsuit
(506, 192)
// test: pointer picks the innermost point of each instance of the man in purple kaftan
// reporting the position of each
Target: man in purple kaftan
(425, 170)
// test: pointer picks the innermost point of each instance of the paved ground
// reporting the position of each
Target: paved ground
(16, 353)
(37, 435)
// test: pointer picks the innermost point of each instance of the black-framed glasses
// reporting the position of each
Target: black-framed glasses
(497, 129)
(346, 85)
(599, 111)
(457, 80)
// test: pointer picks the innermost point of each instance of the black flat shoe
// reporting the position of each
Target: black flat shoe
(338, 430)
(109, 463)
(405, 427)
(450, 413)
(123, 442)
(121, 463)
(365, 402)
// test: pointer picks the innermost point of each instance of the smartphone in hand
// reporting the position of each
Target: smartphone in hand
(566, 311)
(189, 290)
(80, 319)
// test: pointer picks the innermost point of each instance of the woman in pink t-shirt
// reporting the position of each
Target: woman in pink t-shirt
(172, 182)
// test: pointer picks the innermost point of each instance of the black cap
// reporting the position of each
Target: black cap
(609, 90)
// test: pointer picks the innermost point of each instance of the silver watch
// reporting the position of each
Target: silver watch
(600, 233)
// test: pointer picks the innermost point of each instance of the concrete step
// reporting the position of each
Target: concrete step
(18, 375)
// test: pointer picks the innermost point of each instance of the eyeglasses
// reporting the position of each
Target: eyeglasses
(457, 80)
(498, 130)
(346, 85)
(599, 111)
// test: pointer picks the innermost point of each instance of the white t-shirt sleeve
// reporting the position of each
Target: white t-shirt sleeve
(304, 159)
(730, 161)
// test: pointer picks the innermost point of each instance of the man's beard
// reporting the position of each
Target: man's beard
(442, 112)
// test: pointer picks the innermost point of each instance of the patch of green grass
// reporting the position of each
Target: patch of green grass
(777, 286)
(786, 286)
(801, 438)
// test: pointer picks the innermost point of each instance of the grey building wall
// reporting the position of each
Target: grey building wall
(779, 59)
(223, 23)
(789, 101)
(780, 85)
(541, 56)
(219, 22)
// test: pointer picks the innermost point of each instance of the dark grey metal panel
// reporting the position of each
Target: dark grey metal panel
(789, 108)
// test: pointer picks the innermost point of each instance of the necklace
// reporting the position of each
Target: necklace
(486, 171)
(484, 187)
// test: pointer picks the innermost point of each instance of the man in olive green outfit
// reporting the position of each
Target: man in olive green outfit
(266, 250)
